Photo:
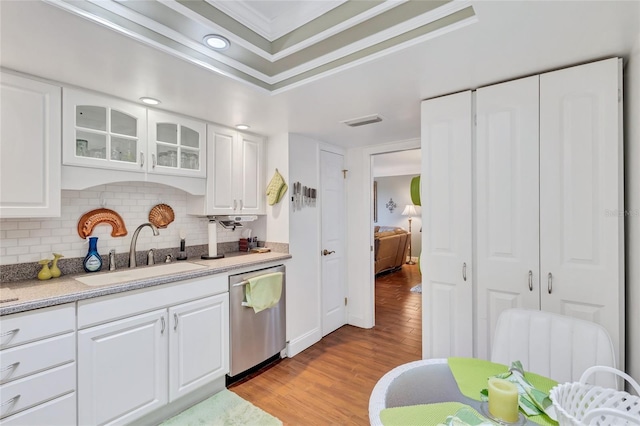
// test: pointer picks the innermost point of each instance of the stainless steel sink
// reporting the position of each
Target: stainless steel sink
(137, 274)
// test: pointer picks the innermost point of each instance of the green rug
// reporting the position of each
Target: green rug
(223, 409)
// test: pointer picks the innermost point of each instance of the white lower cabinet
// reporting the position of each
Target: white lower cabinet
(122, 369)
(131, 363)
(37, 367)
(196, 355)
(57, 412)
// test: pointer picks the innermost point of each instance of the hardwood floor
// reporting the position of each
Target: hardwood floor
(330, 382)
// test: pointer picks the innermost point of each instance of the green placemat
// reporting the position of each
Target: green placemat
(471, 375)
(421, 415)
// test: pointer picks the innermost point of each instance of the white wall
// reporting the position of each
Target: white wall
(29, 240)
(632, 207)
(278, 215)
(360, 277)
(398, 189)
(303, 274)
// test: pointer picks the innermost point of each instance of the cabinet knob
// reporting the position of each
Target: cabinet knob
(549, 283)
(141, 159)
(464, 271)
(530, 281)
(175, 319)
(153, 161)
(163, 325)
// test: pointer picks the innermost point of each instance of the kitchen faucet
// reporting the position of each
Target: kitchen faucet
(134, 240)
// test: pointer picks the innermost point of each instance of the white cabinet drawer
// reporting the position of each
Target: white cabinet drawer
(32, 390)
(58, 412)
(30, 358)
(33, 325)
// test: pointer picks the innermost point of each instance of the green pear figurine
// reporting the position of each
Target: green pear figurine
(55, 271)
(45, 273)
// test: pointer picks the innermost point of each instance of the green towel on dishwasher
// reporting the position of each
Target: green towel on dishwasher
(263, 291)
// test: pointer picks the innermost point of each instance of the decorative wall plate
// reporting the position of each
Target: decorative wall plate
(91, 219)
(161, 215)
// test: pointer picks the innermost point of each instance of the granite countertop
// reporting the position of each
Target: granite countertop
(34, 294)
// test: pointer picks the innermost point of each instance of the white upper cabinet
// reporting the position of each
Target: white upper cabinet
(249, 182)
(103, 132)
(506, 203)
(235, 184)
(581, 196)
(447, 217)
(176, 145)
(29, 148)
(109, 140)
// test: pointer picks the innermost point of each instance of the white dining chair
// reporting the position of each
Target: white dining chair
(553, 345)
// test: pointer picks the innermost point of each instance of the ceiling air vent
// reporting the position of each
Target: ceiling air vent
(361, 121)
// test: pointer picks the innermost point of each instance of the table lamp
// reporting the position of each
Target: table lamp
(409, 210)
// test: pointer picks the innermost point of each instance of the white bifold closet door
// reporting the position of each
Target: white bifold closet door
(507, 221)
(446, 196)
(581, 196)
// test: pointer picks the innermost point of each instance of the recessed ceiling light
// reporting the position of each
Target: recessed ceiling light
(149, 101)
(216, 41)
(242, 126)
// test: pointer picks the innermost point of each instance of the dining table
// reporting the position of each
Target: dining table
(426, 392)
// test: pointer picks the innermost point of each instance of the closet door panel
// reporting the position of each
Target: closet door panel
(582, 246)
(506, 203)
(447, 240)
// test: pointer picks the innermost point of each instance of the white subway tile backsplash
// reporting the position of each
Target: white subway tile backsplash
(42, 248)
(23, 233)
(29, 225)
(9, 225)
(40, 233)
(28, 241)
(17, 250)
(132, 201)
(58, 248)
(9, 242)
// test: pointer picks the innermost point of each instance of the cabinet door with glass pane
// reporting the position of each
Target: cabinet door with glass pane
(176, 145)
(104, 132)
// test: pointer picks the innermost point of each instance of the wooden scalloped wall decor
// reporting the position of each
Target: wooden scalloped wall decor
(91, 219)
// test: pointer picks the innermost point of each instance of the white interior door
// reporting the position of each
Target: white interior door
(333, 245)
(507, 220)
(581, 202)
(446, 197)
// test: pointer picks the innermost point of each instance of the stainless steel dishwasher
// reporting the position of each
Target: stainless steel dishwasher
(255, 337)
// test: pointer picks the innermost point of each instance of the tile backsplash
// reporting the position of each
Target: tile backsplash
(29, 240)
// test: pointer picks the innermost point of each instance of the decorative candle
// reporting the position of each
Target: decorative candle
(503, 400)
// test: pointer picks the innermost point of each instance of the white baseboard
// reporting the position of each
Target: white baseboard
(301, 343)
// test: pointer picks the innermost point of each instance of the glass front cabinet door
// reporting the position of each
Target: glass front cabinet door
(176, 145)
(103, 132)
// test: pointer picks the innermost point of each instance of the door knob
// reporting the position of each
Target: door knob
(326, 252)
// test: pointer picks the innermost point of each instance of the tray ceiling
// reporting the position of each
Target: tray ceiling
(277, 45)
